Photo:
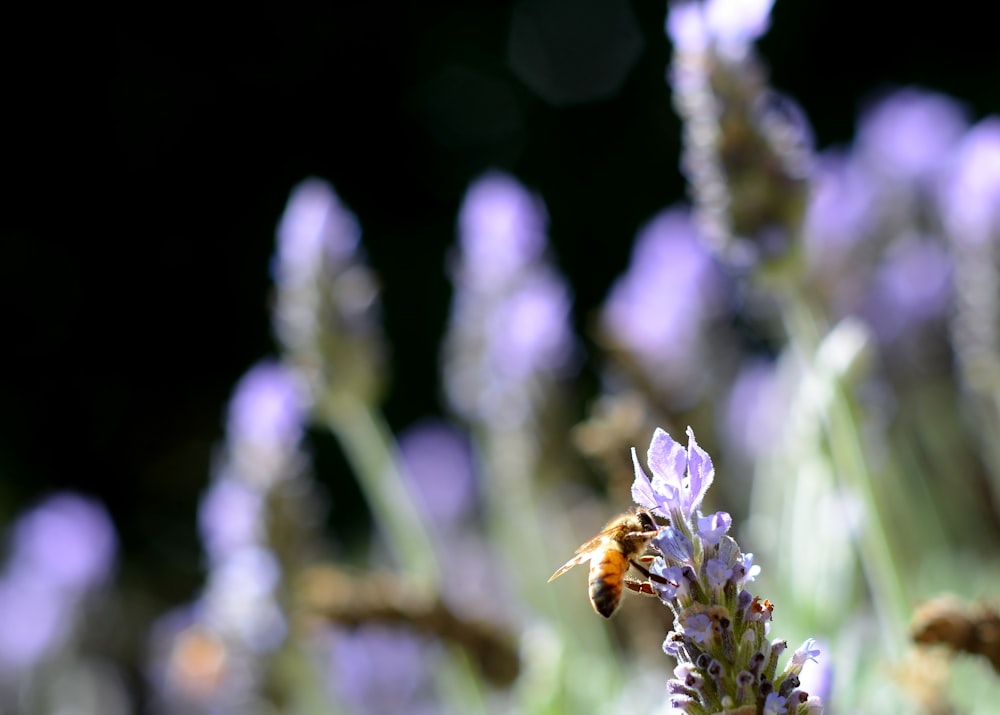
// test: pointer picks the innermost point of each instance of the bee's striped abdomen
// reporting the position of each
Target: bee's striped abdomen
(607, 572)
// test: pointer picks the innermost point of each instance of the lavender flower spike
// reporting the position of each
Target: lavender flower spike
(726, 662)
(327, 309)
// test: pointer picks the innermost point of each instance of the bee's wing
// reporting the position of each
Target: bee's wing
(581, 556)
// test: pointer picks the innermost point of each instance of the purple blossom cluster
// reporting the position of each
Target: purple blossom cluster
(209, 654)
(665, 332)
(510, 326)
(61, 551)
(878, 235)
(725, 661)
(381, 670)
(327, 305)
(747, 148)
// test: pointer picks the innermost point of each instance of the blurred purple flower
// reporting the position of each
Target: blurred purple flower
(238, 616)
(845, 217)
(68, 540)
(530, 333)
(659, 309)
(842, 206)
(438, 460)
(753, 409)
(35, 620)
(186, 663)
(264, 426)
(971, 191)
(380, 670)
(268, 408)
(501, 230)
(60, 550)
(687, 28)
(510, 325)
(239, 599)
(913, 286)
(910, 134)
(326, 308)
(738, 22)
(314, 229)
(230, 516)
(732, 24)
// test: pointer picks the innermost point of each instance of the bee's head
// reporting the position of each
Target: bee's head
(645, 517)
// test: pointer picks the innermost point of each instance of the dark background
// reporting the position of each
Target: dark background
(150, 157)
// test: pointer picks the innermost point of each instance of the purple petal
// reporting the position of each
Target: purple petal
(672, 646)
(677, 586)
(749, 569)
(674, 545)
(701, 472)
(712, 528)
(668, 462)
(817, 678)
(642, 490)
(775, 705)
(804, 653)
(698, 626)
(718, 573)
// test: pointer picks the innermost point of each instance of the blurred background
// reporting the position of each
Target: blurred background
(150, 159)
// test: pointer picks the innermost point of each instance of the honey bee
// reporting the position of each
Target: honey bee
(611, 553)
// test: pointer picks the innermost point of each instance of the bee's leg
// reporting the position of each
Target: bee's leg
(656, 578)
(643, 587)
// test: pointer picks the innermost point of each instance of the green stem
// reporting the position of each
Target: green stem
(847, 455)
(370, 449)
